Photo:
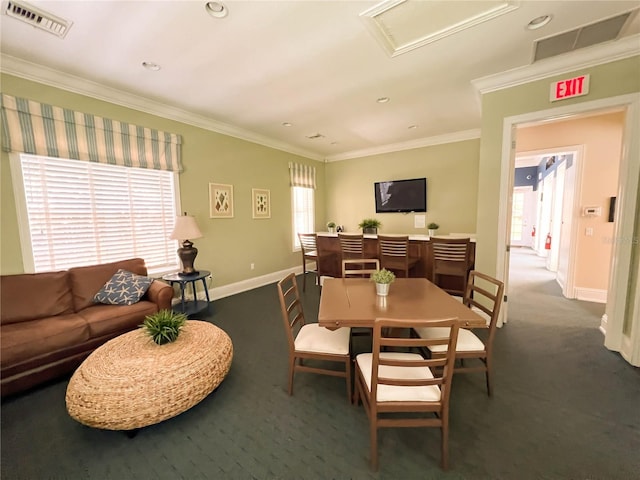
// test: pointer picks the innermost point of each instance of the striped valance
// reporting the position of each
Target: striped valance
(41, 129)
(302, 175)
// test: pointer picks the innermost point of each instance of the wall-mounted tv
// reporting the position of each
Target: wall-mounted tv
(401, 195)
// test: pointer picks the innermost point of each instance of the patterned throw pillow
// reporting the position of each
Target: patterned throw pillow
(124, 288)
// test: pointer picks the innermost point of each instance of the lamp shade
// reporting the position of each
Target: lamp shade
(185, 228)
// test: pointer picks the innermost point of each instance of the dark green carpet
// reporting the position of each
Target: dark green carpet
(564, 408)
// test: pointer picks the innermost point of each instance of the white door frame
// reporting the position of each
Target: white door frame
(616, 338)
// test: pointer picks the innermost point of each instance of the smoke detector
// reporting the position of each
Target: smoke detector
(38, 18)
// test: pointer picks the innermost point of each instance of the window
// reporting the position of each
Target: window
(303, 213)
(517, 212)
(74, 213)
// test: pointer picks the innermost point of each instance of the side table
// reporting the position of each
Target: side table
(195, 306)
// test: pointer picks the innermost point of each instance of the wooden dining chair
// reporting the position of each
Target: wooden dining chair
(309, 249)
(393, 252)
(400, 389)
(310, 341)
(360, 267)
(484, 296)
(451, 263)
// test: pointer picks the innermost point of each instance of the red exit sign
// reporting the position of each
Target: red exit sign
(571, 87)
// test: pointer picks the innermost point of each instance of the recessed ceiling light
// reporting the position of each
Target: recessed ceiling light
(216, 9)
(151, 66)
(383, 100)
(538, 22)
(411, 127)
(286, 124)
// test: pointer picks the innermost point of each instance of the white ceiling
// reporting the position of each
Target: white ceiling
(314, 64)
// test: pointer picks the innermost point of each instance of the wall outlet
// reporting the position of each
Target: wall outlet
(589, 232)
(252, 266)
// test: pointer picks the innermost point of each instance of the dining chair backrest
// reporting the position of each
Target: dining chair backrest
(385, 335)
(485, 293)
(351, 245)
(357, 267)
(291, 308)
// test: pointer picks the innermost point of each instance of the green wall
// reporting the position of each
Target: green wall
(452, 187)
(607, 80)
(228, 246)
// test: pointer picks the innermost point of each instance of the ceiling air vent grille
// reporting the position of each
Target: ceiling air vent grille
(38, 18)
(586, 36)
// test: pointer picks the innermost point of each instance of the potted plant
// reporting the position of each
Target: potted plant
(383, 279)
(369, 225)
(164, 326)
(432, 228)
(331, 227)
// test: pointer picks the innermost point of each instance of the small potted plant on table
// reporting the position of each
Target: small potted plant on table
(370, 225)
(432, 228)
(164, 326)
(383, 279)
(331, 227)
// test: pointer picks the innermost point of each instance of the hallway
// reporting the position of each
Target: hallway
(535, 296)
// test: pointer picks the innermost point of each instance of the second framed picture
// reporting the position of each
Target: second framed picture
(261, 201)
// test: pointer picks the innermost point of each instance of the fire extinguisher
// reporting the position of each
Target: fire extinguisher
(547, 242)
(533, 232)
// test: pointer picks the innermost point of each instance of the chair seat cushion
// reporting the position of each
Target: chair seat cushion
(314, 338)
(467, 340)
(392, 393)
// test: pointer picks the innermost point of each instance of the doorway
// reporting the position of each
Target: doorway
(545, 197)
(620, 325)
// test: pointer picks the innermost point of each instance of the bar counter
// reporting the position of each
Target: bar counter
(419, 247)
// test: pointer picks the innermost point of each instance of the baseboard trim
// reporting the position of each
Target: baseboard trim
(603, 324)
(591, 295)
(243, 285)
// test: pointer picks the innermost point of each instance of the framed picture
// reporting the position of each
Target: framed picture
(220, 200)
(261, 200)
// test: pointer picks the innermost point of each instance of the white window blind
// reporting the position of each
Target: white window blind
(303, 213)
(83, 213)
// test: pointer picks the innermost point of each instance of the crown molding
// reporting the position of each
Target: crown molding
(55, 78)
(419, 143)
(579, 59)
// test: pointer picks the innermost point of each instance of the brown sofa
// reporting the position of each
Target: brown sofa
(49, 323)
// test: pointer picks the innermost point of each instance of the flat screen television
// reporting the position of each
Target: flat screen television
(401, 195)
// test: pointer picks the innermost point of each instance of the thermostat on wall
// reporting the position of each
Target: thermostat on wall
(591, 211)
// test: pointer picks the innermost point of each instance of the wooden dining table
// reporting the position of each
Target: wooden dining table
(353, 302)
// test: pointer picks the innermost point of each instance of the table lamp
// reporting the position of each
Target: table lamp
(185, 228)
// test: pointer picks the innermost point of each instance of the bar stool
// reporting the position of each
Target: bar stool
(351, 245)
(393, 252)
(309, 249)
(451, 258)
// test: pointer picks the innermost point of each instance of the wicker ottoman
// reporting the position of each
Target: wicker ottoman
(130, 382)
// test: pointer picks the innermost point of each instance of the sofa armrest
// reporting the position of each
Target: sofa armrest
(161, 294)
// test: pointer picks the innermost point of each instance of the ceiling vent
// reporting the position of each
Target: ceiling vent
(38, 18)
(586, 36)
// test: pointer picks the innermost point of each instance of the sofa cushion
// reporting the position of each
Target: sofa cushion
(32, 296)
(86, 281)
(124, 288)
(26, 340)
(106, 319)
